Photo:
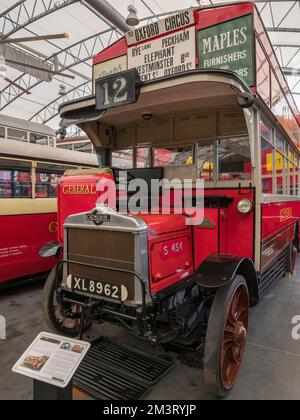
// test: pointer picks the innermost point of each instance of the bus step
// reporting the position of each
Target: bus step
(115, 371)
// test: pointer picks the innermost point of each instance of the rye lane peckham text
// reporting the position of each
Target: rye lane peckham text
(170, 55)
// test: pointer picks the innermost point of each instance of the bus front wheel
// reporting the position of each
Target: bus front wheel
(52, 310)
(226, 337)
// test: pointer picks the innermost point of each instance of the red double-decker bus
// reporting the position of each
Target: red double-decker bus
(198, 95)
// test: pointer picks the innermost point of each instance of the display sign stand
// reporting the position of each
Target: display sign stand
(46, 392)
(52, 361)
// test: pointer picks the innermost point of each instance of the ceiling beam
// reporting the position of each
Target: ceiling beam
(288, 30)
(24, 13)
(69, 58)
(286, 45)
(290, 71)
(33, 38)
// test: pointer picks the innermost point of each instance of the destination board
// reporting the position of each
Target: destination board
(172, 23)
(166, 56)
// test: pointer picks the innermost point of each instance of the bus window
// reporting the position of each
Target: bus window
(173, 156)
(46, 185)
(280, 143)
(51, 142)
(205, 158)
(40, 139)
(2, 132)
(296, 180)
(142, 157)
(47, 176)
(85, 147)
(13, 134)
(279, 162)
(267, 154)
(6, 185)
(15, 179)
(22, 184)
(15, 184)
(234, 158)
(122, 159)
(266, 130)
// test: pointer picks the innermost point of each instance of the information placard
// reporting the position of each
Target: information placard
(52, 359)
(166, 56)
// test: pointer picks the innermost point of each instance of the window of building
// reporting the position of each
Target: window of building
(40, 139)
(122, 159)
(173, 156)
(267, 155)
(205, 160)
(19, 135)
(234, 158)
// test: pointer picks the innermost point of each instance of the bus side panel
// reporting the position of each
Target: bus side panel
(44, 232)
(278, 229)
(21, 239)
(277, 216)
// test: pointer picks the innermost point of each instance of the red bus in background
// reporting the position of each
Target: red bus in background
(29, 175)
(199, 95)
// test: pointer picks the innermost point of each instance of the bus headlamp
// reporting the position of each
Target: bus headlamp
(245, 206)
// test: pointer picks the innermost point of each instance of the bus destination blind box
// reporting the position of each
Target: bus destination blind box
(117, 89)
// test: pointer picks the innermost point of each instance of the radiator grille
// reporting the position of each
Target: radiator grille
(111, 249)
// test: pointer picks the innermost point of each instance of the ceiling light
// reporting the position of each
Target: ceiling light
(62, 90)
(132, 19)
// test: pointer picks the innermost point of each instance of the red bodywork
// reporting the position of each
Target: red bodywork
(77, 194)
(21, 239)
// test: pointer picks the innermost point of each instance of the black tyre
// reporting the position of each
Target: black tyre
(226, 337)
(69, 327)
(291, 258)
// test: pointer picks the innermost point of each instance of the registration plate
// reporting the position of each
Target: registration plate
(97, 288)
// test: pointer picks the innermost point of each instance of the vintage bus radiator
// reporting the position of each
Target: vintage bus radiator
(107, 250)
(96, 247)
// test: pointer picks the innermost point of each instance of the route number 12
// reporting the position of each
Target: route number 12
(117, 89)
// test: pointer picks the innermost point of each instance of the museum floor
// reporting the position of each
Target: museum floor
(271, 368)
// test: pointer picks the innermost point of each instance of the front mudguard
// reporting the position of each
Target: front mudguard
(52, 250)
(220, 269)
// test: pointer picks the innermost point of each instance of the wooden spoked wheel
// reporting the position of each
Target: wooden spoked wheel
(69, 327)
(226, 337)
